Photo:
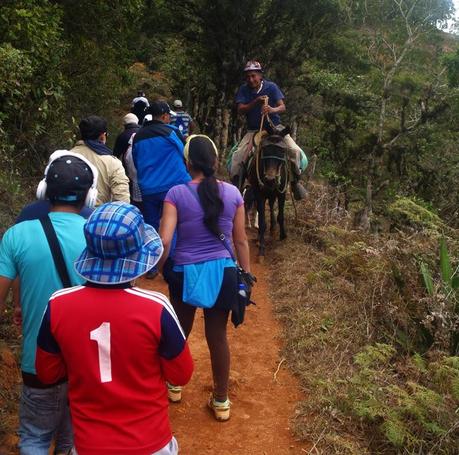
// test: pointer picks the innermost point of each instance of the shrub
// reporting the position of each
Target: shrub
(442, 319)
(411, 406)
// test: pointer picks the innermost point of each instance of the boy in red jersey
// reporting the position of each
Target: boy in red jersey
(118, 344)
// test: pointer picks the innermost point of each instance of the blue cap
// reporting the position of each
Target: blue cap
(158, 108)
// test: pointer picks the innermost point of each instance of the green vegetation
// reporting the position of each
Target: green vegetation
(405, 213)
(412, 415)
(372, 330)
(372, 89)
(443, 300)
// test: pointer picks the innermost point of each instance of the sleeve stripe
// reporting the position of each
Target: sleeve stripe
(158, 298)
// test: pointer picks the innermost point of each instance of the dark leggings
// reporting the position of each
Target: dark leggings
(215, 321)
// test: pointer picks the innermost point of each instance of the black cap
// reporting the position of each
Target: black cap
(68, 179)
(92, 127)
(158, 108)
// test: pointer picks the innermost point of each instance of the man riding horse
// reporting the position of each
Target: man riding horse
(256, 98)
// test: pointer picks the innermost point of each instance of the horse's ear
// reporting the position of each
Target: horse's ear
(285, 131)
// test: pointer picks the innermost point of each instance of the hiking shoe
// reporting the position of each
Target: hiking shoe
(299, 191)
(220, 409)
(174, 393)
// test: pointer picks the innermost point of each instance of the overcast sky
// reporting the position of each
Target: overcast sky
(456, 5)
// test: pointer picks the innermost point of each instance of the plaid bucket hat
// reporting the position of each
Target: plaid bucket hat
(119, 245)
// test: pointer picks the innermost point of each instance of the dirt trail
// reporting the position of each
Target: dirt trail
(262, 406)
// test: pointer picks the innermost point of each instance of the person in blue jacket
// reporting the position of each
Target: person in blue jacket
(158, 157)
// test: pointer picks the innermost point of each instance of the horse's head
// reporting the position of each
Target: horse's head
(273, 155)
(272, 158)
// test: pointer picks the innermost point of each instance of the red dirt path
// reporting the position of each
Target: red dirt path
(262, 406)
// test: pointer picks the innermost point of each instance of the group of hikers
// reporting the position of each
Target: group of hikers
(179, 118)
(101, 358)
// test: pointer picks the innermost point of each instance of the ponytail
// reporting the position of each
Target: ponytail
(211, 203)
(202, 155)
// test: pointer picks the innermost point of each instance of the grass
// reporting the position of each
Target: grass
(353, 308)
(13, 196)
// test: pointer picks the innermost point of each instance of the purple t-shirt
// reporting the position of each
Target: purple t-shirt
(195, 243)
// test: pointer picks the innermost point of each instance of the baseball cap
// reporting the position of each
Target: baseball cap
(158, 108)
(253, 65)
(130, 118)
(92, 127)
(119, 245)
(178, 103)
(68, 179)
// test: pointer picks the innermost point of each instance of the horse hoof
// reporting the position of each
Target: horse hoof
(261, 259)
(283, 237)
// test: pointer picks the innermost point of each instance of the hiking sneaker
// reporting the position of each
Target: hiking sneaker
(174, 393)
(221, 409)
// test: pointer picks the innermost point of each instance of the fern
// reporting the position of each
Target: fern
(409, 414)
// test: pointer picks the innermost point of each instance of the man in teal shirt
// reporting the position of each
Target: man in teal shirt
(25, 253)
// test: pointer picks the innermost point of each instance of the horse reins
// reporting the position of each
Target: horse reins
(258, 152)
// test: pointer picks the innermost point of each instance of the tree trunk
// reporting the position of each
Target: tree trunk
(196, 110)
(218, 127)
(294, 130)
(207, 124)
(225, 133)
(367, 214)
(365, 221)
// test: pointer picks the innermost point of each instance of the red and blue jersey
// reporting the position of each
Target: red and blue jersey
(117, 346)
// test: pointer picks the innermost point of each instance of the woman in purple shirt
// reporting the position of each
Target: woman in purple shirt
(203, 273)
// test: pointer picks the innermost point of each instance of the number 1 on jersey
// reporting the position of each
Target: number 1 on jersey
(101, 336)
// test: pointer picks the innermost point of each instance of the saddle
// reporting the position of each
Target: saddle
(275, 137)
(275, 148)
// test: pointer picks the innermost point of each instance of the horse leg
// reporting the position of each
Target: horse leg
(261, 224)
(251, 208)
(272, 216)
(280, 216)
(247, 206)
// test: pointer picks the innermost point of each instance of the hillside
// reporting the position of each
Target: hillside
(371, 347)
(365, 287)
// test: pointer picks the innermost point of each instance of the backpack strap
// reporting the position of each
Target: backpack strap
(56, 251)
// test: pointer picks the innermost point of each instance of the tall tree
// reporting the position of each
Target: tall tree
(219, 36)
(393, 31)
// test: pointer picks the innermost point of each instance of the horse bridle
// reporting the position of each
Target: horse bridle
(261, 183)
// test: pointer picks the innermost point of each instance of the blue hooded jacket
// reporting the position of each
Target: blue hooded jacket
(158, 157)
